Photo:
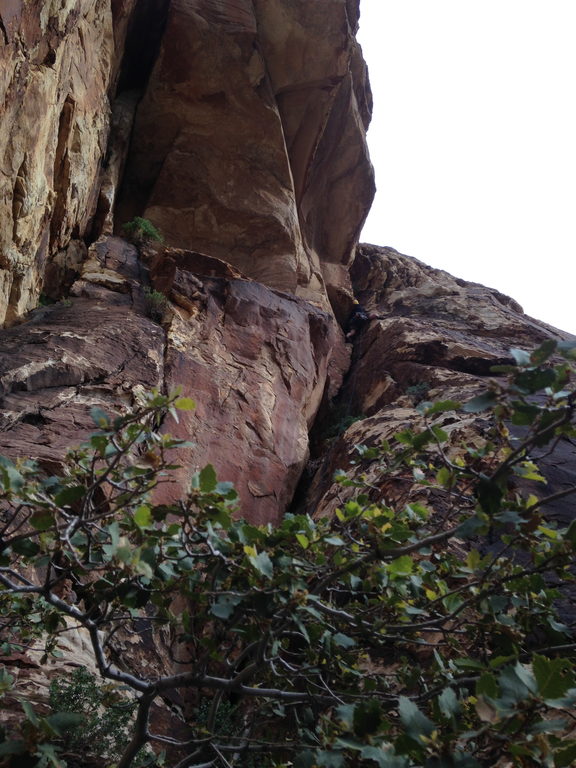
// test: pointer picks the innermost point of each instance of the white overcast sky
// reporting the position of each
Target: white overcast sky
(474, 142)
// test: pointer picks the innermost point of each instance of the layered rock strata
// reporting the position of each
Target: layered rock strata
(58, 65)
(249, 135)
(256, 361)
(431, 337)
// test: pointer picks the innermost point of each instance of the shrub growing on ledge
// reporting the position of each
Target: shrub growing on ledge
(426, 635)
(141, 231)
(155, 304)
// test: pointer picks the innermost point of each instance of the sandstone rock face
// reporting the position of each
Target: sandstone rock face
(249, 144)
(256, 361)
(58, 62)
(434, 337)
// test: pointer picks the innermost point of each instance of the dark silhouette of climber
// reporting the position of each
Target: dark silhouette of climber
(359, 318)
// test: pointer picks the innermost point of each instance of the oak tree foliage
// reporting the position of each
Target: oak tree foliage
(437, 635)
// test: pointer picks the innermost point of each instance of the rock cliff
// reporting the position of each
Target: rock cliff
(237, 127)
(431, 337)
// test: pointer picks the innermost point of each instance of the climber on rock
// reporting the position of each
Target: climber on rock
(359, 317)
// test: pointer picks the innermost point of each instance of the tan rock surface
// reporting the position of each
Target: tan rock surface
(58, 62)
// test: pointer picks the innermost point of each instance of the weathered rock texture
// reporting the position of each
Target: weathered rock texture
(58, 65)
(257, 362)
(433, 337)
(249, 135)
(241, 126)
(249, 142)
(238, 128)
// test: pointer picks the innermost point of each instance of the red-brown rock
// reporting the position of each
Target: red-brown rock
(249, 144)
(432, 337)
(256, 361)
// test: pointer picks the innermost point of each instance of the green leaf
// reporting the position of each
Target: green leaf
(402, 566)
(532, 381)
(343, 641)
(512, 684)
(566, 756)
(328, 759)
(440, 435)
(486, 685)
(226, 488)
(524, 414)
(384, 757)
(549, 726)
(42, 521)
(443, 405)
(520, 356)
(225, 606)
(207, 479)
(49, 754)
(11, 477)
(260, 561)
(143, 516)
(444, 477)
(185, 404)
(367, 717)
(302, 540)
(448, 703)
(64, 721)
(29, 712)
(305, 759)
(12, 748)
(570, 534)
(415, 721)
(26, 547)
(69, 495)
(480, 403)
(100, 417)
(490, 496)
(543, 352)
(553, 676)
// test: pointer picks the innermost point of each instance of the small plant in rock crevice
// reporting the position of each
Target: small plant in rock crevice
(141, 231)
(337, 422)
(155, 304)
(418, 392)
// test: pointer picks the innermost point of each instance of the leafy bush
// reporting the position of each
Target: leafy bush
(141, 231)
(418, 392)
(155, 304)
(107, 714)
(426, 635)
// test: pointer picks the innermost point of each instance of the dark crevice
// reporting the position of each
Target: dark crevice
(3, 31)
(36, 419)
(61, 172)
(476, 366)
(142, 44)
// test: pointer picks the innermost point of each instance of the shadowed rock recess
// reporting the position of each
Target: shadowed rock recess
(238, 128)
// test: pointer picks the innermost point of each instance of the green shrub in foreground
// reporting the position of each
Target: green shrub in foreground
(426, 635)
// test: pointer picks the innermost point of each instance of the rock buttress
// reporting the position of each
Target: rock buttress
(249, 144)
